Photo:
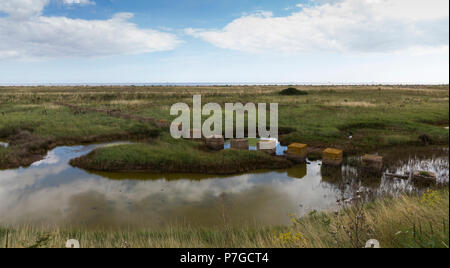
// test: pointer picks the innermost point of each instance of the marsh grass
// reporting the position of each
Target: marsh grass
(377, 116)
(419, 221)
(179, 156)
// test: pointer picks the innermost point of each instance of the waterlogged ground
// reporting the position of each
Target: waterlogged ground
(51, 192)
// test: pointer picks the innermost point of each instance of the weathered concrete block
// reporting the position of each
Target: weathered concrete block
(372, 163)
(216, 142)
(267, 146)
(424, 178)
(332, 157)
(297, 152)
(240, 144)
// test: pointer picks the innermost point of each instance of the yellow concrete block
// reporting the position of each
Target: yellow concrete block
(297, 152)
(298, 148)
(333, 153)
(332, 157)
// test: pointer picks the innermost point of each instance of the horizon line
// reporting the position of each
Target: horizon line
(193, 84)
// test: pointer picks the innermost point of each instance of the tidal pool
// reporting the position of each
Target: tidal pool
(52, 193)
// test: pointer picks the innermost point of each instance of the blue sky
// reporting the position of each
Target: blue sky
(254, 41)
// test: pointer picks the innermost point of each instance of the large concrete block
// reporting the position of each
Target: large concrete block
(216, 142)
(268, 146)
(297, 152)
(240, 144)
(332, 157)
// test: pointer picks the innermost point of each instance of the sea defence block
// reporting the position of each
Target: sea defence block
(297, 152)
(372, 163)
(216, 142)
(240, 144)
(268, 146)
(424, 178)
(332, 157)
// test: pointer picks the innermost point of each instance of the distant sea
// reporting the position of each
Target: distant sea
(216, 84)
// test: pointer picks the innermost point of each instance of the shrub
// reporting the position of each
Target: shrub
(292, 92)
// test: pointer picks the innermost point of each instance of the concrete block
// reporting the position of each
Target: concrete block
(216, 142)
(240, 144)
(297, 152)
(332, 157)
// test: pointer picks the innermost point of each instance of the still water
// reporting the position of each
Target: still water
(51, 192)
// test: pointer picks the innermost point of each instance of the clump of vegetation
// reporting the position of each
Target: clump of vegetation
(293, 92)
(176, 156)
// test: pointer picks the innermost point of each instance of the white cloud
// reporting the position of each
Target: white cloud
(78, 2)
(23, 8)
(26, 33)
(344, 25)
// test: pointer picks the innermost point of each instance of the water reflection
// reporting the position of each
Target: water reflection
(52, 192)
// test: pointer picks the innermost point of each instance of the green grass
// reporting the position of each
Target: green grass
(419, 221)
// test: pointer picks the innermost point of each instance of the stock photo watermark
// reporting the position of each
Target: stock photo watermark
(256, 119)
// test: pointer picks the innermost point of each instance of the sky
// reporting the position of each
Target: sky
(224, 41)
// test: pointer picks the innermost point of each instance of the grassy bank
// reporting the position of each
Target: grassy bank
(375, 116)
(420, 221)
(176, 156)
